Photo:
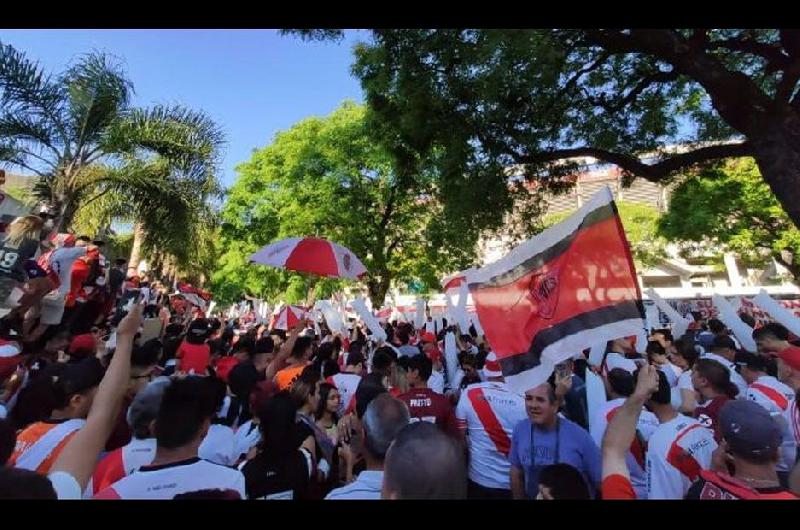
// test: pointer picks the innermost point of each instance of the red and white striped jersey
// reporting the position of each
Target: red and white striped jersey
(122, 462)
(635, 458)
(676, 453)
(488, 412)
(770, 394)
(346, 383)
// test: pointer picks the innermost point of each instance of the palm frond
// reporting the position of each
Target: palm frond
(99, 92)
(25, 86)
(190, 140)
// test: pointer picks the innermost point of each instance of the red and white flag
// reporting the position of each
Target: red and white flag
(193, 295)
(572, 286)
(288, 317)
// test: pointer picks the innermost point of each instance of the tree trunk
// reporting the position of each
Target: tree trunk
(66, 213)
(777, 153)
(378, 286)
(136, 251)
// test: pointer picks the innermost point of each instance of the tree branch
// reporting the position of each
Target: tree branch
(776, 59)
(737, 98)
(646, 81)
(574, 79)
(652, 172)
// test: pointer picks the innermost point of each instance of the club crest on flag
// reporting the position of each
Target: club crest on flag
(544, 291)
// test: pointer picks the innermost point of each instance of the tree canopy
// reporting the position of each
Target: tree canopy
(486, 105)
(729, 206)
(328, 177)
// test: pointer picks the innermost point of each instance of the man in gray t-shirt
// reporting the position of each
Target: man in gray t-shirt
(406, 350)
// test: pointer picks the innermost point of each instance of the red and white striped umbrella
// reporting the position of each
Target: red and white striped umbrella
(288, 317)
(311, 254)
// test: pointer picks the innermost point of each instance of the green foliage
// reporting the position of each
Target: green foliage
(730, 205)
(328, 177)
(102, 160)
(486, 106)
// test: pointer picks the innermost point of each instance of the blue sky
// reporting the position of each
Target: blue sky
(254, 83)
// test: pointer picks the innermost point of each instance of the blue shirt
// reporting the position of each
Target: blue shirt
(575, 447)
(367, 486)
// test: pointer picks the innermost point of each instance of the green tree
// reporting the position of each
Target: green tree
(641, 222)
(328, 177)
(730, 205)
(78, 132)
(495, 99)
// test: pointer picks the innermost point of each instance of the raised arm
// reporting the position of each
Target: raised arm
(79, 457)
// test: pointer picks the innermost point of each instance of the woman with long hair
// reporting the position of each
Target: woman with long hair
(280, 469)
(713, 382)
(19, 244)
(326, 414)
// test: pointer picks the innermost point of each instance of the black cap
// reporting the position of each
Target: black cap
(80, 376)
(751, 360)
(723, 342)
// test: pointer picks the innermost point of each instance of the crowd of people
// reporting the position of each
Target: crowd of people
(110, 391)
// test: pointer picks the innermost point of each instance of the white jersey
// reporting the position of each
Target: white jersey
(219, 446)
(121, 463)
(61, 261)
(346, 383)
(770, 394)
(436, 382)
(166, 481)
(488, 413)
(635, 457)
(678, 450)
(736, 378)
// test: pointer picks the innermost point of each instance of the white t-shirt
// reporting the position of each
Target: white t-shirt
(166, 481)
(436, 382)
(617, 360)
(219, 446)
(672, 372)
(676, 452)
(736, 378)
(684, 383)
(346, 383)
(488, 412)
(61, 261)
(635, 457)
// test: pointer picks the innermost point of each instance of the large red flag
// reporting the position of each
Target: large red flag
(566, 289)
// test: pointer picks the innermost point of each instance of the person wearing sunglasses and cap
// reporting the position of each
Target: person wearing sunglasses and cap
(751, 440)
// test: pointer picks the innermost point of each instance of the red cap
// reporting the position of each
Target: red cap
(428, 337)
(82, 344)
(791, 356)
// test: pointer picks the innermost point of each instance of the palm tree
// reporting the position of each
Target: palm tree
(78, 133)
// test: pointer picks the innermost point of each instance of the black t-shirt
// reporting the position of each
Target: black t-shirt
(13, 258)
(703, 489)
(276, 477)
